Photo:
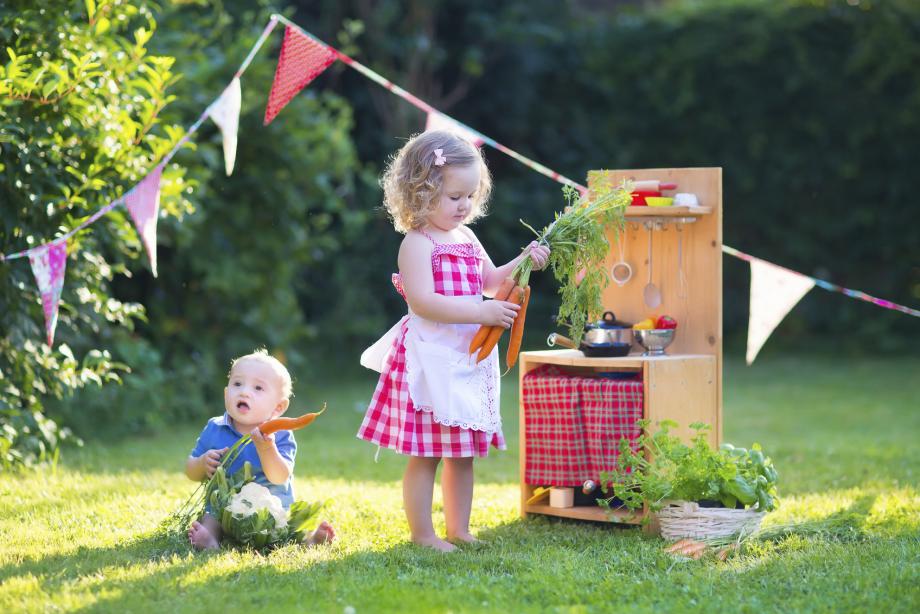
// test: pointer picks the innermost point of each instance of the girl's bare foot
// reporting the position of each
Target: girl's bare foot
(201, 538)
(466, 538)
(324, 534)
(434, 542)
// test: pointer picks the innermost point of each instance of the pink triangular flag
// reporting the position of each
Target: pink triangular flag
(439, 121)
(48, 264)
(774, 292)
(143, 202)
(302, 59)
(226, 114)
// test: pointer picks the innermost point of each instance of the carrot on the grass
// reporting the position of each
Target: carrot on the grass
(517, 331)
(517, 297)
(502, 294)
(679, 544)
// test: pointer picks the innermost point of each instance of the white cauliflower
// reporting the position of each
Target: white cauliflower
(254, 497)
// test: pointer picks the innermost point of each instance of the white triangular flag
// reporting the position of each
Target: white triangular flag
(439, 121)
(48, 264)
(143, 202)
(225, 111)
(774, 292)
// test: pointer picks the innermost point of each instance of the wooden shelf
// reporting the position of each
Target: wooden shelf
(671, 211)
(587, 512)
(574, 358)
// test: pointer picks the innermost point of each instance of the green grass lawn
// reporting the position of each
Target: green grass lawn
(844, 436)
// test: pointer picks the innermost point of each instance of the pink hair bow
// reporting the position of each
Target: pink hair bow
(439, 158)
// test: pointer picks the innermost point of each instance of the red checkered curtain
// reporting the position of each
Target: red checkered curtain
(302, 59)
(573, 425)
(610, 411)
(554, 429)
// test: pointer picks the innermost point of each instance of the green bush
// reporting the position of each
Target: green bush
(80, 99)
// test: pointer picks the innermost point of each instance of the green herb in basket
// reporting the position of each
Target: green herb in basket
(664, 468)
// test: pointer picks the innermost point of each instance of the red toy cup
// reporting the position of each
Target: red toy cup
(638, 197)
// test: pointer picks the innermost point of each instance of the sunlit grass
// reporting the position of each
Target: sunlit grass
(843, 437)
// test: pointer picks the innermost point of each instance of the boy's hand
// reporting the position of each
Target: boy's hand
(211, 460)
(262, 442)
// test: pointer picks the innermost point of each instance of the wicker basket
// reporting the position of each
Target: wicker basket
(680, 519)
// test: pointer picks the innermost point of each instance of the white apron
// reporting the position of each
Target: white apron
(442, 378)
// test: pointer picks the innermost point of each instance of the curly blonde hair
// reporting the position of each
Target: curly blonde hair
(412, 182)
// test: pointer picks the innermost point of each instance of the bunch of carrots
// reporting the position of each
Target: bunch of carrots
(194, 506)
(578, 245)
(487, 337)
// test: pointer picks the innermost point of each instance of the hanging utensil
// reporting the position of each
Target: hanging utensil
(681, 278)
(621, 272)
(651, 293)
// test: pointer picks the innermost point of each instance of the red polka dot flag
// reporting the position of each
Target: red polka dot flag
(302, 59)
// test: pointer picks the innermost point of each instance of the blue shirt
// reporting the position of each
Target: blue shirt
(219, 433)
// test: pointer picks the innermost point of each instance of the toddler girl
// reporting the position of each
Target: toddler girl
(433, 400)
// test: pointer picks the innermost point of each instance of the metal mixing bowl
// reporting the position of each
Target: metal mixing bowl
(655, 340)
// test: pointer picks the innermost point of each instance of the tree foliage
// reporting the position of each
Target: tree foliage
(80, 105)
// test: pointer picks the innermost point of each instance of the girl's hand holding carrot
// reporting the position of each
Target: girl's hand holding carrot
(498, 313)
(539, 254)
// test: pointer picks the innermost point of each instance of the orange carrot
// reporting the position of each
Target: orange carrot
(289, 424)
(679, 544)
(517, 331)
(693, 550)
(517, 297)
(479, 338)
(724, 552)
(502, 294)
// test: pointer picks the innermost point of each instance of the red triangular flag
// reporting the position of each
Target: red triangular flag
(48, 264)
(302, 59)
(143, 202)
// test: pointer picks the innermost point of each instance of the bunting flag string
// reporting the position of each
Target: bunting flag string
(439, 121)
(825, 285)
(143, 203)
(304, 57)
(424, 106)
(225, 112)
(48, 264)
(774, 292)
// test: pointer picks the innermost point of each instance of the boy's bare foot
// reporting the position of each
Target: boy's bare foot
(465, 538)
(324, 534)
(201, 538)
(434, 542)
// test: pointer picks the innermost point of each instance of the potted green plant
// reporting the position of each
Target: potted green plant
(692, 490)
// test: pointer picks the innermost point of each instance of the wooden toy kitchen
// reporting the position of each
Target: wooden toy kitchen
(575, 405)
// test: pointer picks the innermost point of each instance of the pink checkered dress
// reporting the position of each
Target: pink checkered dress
(391, 420)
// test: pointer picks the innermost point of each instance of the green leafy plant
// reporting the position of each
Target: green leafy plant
(81, 100)
(251, 516)
(663, 468)
(578, 244)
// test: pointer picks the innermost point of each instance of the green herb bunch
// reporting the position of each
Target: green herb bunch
(194, 506)
(664, 468)
(577, 239)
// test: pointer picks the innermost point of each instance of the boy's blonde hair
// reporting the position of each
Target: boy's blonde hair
(412, 182)
(262, 355)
